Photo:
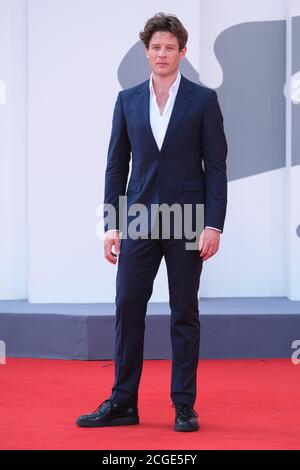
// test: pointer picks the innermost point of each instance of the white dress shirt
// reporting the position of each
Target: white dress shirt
(159, 122)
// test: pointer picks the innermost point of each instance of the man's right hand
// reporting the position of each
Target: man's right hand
(112, 238)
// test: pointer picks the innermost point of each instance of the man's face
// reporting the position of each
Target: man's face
(163, 53)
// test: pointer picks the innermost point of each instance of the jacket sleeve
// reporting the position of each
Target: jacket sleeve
(214, 153)
(117, 167)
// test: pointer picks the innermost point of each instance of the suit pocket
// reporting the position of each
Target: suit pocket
(193, 185)
(134, 186)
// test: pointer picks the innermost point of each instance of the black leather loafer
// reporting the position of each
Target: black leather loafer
(186, 418)
(109, 414)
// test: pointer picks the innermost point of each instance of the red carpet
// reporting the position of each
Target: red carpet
(242, 404)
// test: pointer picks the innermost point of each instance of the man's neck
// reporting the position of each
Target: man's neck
(161, 84)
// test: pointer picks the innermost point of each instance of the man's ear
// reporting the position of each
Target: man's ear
(147, 52)
(183, 52)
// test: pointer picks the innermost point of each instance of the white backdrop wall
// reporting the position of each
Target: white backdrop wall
(75, 48)
(292, 266)
(13, 150)
(252, 255)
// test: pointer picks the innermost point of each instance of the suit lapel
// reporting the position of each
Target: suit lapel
(182, 101)
(144, 107)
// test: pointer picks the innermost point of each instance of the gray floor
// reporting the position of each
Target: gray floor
(220, 306)
(230, 328)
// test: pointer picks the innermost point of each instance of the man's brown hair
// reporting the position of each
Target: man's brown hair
(163, 22)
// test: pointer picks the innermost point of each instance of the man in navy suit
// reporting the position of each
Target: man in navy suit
(173, 130)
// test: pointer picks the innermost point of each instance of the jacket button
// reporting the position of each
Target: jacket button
(161, 156)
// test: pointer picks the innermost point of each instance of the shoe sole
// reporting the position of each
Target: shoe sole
(186, 429)
(125, 421)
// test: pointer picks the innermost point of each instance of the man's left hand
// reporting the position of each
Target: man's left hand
(209, 243)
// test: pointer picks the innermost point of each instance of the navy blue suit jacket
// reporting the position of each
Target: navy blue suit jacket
(189, 168)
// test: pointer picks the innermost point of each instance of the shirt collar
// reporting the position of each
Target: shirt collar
(173, 88)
